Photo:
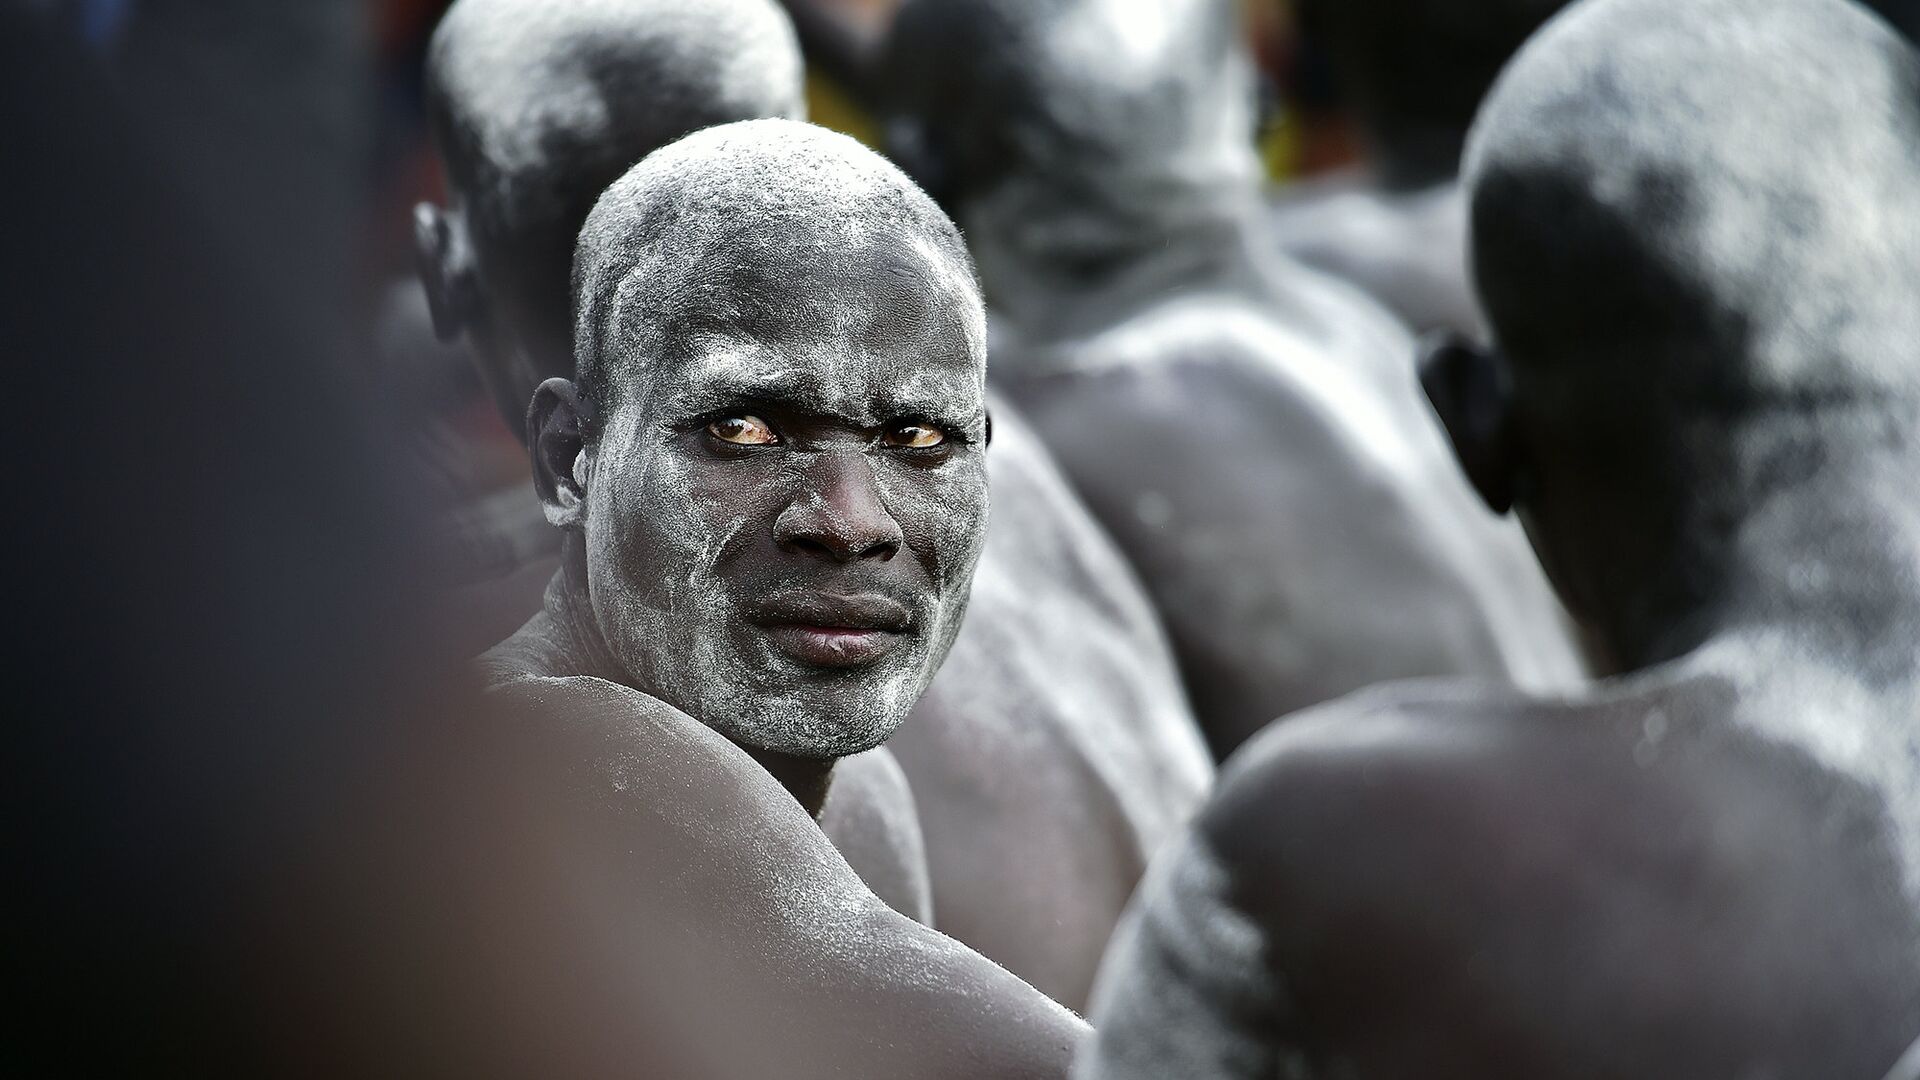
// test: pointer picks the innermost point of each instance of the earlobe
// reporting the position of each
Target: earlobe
(443, 257)
(555, 432)
(1472, 391)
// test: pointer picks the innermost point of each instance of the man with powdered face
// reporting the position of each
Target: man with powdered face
(1697, 231)
(1055, 749)
(770, 479)
(1251, 432)
(538, 105)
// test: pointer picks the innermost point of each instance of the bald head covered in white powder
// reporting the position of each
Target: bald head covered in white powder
(774, 456)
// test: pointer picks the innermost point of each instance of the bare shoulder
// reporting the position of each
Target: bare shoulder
(695, 877)
(1484, 845)
(614, 745)
(1455, 770)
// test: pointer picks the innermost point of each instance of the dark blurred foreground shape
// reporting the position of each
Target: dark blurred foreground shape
(197, 595)
(250, 844)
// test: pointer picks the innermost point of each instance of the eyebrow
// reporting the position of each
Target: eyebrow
(789, 391)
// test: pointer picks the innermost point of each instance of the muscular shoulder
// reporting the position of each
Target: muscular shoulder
(1470, 782)
(615, 746)
(1543, 870)
(1399, 771)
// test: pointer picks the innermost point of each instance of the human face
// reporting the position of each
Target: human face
(782, 522)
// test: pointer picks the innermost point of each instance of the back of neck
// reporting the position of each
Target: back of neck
(1823, 571)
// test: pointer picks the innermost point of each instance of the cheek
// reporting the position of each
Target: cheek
(650, 528)
(683, 512)
(942, 513)
(728, 507)
(628, 531)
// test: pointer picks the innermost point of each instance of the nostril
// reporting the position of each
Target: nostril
(810, 546)
(883, 550)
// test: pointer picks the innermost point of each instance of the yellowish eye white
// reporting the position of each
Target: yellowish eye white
(916, 436)
(743, 431)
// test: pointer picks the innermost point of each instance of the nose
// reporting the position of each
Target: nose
(839, 515)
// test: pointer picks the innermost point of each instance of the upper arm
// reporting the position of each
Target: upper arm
(1185, 989)
(1195, 983)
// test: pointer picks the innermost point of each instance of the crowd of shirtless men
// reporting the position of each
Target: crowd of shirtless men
(1035, 599)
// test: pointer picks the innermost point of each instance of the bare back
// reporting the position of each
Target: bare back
(1256, 441)
(1406, 250)
(1657, 880)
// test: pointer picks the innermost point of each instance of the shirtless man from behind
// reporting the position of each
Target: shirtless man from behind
(770, 478)
(1055, 750)
(1250, 431)
(1695, 229)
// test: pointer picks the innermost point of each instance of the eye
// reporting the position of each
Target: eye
(914, 436)
(743, 431)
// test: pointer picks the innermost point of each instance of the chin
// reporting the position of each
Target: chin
(824, 723)
(792, 708)
(815, 735)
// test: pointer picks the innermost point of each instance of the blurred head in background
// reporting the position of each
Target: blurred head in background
(535, 108)
(1081, 127)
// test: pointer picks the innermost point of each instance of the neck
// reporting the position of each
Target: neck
(1821, 572)
(806, 779)
(578, 648)
(572, 631)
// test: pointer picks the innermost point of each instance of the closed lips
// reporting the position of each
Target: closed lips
(831, 630)
(866, 611)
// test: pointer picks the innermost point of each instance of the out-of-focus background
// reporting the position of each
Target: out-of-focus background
(1305, 132)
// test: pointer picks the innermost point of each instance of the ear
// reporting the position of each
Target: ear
(443, 257)
(555, 425)
(1472, 390)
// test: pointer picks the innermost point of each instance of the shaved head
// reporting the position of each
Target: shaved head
(1137, 102)
(538, 105)
(1693, 232)
(1629, 233)
(774, 457)
(719, 228)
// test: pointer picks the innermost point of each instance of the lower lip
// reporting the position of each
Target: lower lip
(832, 646)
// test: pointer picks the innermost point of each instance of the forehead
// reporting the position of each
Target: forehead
(883, 325)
